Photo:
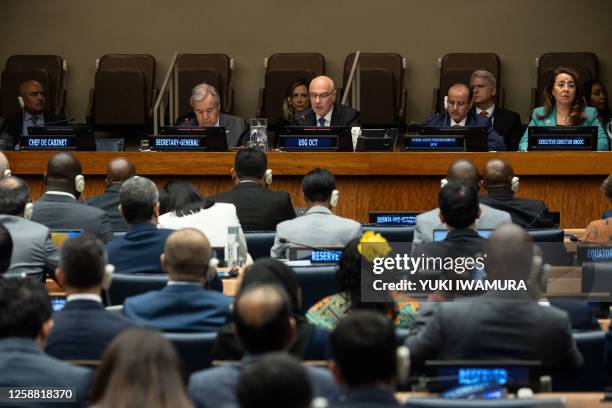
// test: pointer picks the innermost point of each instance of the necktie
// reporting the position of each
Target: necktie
(34, 120)
(321, 122)
(484, 113)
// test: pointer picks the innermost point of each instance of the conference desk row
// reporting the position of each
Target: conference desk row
(368, 181)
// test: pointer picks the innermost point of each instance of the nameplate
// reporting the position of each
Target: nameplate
(562, 138)
(315, 256)
(434, 142)
(310, 142)
(55, 142)
(178, 143)
(594, 253)
(565, 141)
(406, 219)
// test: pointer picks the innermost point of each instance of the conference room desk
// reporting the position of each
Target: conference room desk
(571, 399)
(368, 181)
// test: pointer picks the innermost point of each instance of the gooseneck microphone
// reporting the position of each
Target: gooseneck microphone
(285, 241)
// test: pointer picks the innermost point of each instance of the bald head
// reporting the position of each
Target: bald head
(186, 255)
(498, 173)
(4, 164)
(118, 170)
(33, 95)
(509, 253)
(62, 168)
(14, 195)
(322, 95)
(463, 171)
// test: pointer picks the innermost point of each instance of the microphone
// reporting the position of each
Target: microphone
(55, 122)
(285, 241)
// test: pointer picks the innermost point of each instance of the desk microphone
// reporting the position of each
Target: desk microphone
(55, 122)
(285, 241)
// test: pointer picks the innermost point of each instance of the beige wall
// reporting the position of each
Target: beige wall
(248, 30)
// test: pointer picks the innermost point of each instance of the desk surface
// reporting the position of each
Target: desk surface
(571, 399)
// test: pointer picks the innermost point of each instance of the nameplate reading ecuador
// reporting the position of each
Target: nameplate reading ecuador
(48, 142)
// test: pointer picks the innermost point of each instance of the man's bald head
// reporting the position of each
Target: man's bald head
(14, 195)
(510, 253)
(33, 95)
(498, 173)
(62, 169)
(463, 171)
(263, 319)
(322, 95)
(186, 255)
(4, 164)
(119, 169)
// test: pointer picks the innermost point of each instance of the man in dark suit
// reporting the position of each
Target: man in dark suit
(501, 184)
(58, 208)
(83, 329)
(258, 208)
(184, 305)
(501, 324)
(458, 113)
(506, 122)
(206, 105)
(323, 111)
(25, 323)
(33, 113)
(138, 251)
(117, 171)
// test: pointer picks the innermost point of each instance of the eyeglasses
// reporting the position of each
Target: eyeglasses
(322, 96)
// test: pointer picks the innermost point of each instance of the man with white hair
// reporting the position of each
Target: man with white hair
(324, 111)
(206, 105)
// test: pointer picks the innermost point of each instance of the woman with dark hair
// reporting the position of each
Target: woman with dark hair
(182, 206)
(330, 310)
(310, 342)
(295, 101)
(564, 106)
(596, 96)
(140, 369)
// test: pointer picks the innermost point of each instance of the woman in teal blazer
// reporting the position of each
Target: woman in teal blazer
(564, 105)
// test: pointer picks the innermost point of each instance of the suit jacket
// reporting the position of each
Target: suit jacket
(109, 202)
(82, 330)
(14, 125)
(24, 364)
(496, 142)
(427, 222)
(507, 124)
(524, 212)
(581, 316)
(216, 387)
(551, 120)
(138, 251)
(496, 326)
(366, 397)
(258, 208)
(342, 115)
(234, 125)
(182, 307)
(63, 212)
(33, 250)
(319, 227)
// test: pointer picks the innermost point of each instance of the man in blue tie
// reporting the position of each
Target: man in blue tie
(324, 111)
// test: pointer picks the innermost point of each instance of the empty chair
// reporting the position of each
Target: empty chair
(124, 286)
(194, 349)
(259, 243)
(383, 91)
(458, 67)
(316, 282)
(392, 233)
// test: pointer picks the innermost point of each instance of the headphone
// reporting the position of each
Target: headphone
(514, 184)
(107, 278)
(333, 200)
(79, 183)
(21, 102)
(268, 177)
(28, 210)
(7, 173)
(443, 182)
(402, 356)
(211, 272)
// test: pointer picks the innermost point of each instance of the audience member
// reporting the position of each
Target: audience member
(184, 207)
(499, 324)
(363, 346)
(459, 113)
(310, 341)
(117, 171)
(138, 251)
(258, 208)
(506, 123)
(140, 369)
(184, 305)
(460, 171)
(596, 96)
(33, 111)
(296, 100)
(25, 323)
(318, 227)
(276, 380)
(600, 231)
(59, 209)
(330, 310)
(323, 110)
(262, 316)
(501, 185)
(6, 248)
(33, 250)
(564, 105)
(83, 329)
(206, 105)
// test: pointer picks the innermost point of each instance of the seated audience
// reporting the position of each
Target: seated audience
(33, 112)
(59, 209)
(6, 248)
(34, 252)
(138, 251)
(276, 380)
(206, 105)
(140, 369)
(498, 324)
(117, 171)
(25, 323)
(330, 310)
(318, 227)
(258, 208)
(501, 185)
(506, 123)
(296, 101)
(600, 231)
(182, 206)
(323, 110)
(364, 350)
(458, 113)
(83, 329)
(262, 316)
(564, 106)
(184, 305)
(460, 171)
(310, 341)
(596, 96)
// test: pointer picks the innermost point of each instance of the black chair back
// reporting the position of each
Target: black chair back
(259, 243)
(316, 282)
(194, 349)
(124, 286)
